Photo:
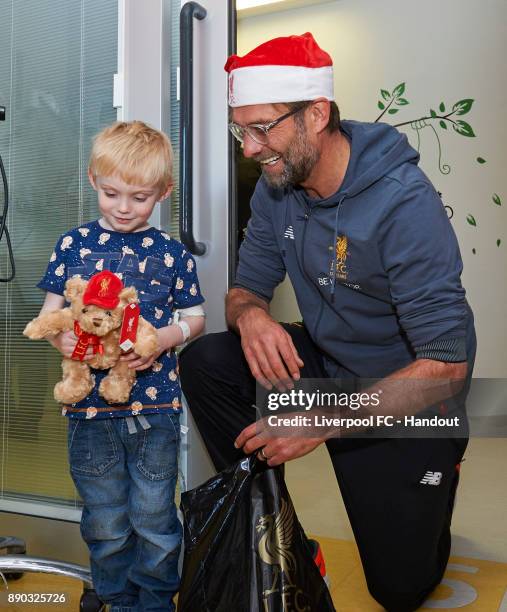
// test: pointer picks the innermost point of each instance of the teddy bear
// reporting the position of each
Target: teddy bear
(96, 313)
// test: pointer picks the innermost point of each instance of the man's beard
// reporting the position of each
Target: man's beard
(298, 161)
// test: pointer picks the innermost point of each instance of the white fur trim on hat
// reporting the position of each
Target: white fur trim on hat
(274, 84)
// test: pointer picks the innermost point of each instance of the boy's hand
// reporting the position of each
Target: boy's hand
(168, 337)
(65, 343)
(139, 363)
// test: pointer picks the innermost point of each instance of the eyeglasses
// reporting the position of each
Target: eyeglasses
(259, 132)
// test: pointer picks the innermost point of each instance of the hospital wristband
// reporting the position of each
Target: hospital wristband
(185, 328)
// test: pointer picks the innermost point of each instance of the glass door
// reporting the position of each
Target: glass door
(57, 62)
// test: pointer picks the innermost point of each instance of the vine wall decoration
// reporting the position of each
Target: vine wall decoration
(389, 103)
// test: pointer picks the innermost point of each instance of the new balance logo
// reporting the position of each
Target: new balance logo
(289, 232)
(432, 478)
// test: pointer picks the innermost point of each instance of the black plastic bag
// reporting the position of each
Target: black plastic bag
(245, 550)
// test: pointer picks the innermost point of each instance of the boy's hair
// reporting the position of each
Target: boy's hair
(137, 153)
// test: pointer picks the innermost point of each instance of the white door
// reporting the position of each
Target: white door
(154, 84)
(205, 178)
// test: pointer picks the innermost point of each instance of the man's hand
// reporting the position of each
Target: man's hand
(275, 450)
(268, 349)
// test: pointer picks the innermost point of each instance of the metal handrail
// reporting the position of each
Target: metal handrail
(188, 12)
(21, 563)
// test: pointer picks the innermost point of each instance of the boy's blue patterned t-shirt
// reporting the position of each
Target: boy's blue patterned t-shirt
(165, 277)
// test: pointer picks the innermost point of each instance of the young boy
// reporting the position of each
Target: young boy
(123, 458)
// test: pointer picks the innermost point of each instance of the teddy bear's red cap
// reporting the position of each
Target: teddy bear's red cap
(103, 290)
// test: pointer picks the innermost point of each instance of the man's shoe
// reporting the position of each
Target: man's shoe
(318, 557)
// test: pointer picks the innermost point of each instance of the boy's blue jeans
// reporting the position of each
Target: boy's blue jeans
(127, 483)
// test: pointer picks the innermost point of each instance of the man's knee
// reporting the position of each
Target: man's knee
(394, 595)
(208, 353)
(211, 356)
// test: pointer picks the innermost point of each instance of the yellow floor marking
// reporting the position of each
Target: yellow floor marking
(471, 585)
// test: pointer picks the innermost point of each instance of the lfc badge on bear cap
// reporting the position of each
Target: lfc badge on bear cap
(103, 290)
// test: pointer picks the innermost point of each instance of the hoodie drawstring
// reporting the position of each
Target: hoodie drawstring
(336, 222)
(285, 225)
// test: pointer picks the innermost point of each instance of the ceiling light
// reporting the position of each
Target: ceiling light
(246, 4)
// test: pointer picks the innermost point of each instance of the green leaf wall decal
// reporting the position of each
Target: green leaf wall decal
(463, 106)
(463, 128)
(402, 102)
(481, 160)
(433, 113)
(498, 242)
(398, 90)
(380, 105)
(443, 125)
(442, 107)
(471, 220)
(496, 200)
(385, 94)
(393, 111)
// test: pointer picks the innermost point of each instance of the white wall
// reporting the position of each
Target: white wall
(445, 51)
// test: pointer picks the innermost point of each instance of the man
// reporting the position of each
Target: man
(343, 209)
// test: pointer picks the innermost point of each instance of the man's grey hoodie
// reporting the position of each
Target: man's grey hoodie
(375, 267)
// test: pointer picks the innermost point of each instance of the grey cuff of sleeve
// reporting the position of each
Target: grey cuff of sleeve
(443, 349)
(237, 285)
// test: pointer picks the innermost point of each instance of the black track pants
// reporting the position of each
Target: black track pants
(402, 527)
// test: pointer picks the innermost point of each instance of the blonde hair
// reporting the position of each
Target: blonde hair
(137, 153)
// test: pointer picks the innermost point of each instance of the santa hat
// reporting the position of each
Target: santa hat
(285, 69)
(103, 290)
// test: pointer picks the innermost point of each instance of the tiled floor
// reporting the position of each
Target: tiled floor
(470, 585)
